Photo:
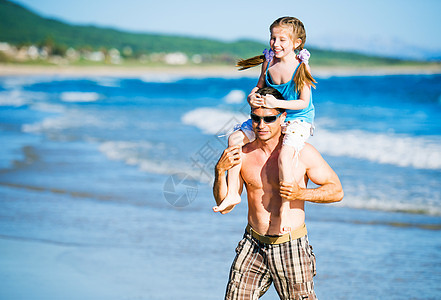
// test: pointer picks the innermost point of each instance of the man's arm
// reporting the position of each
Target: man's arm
(230, 157)
(319, 172)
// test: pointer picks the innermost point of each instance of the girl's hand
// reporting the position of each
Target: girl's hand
(270, 101)
(255, 100)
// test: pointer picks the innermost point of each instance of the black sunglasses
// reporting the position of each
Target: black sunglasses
(266, 119)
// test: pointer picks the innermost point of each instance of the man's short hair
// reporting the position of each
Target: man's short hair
(271, 91)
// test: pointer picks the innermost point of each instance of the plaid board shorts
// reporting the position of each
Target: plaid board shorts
(290, 265)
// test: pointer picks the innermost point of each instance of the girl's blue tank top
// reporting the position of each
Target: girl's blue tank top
(289, 92)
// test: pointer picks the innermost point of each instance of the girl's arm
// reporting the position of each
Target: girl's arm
(261, 81)
(294, 104)
(252, 99)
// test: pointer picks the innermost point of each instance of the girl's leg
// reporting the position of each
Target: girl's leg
(286, 174)
(296, 134)
(233, 179)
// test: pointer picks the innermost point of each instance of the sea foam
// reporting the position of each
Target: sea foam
(18, 97)
(420, 152)
(71, 119)
(137, 154)
(235, 97)
(106, 81)
(79, 97)
(18, 82)
(385, 204)
(13, 98)
(213, 120)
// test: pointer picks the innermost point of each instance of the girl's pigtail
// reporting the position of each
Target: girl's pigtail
(268, 55)
(303, 76)
(250, 62)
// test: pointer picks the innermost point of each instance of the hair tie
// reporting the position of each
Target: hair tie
(304, 56)
(269, 54)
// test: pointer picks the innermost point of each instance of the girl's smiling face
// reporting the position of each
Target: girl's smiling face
(281, 42)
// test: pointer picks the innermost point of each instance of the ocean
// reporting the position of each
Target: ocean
(105, 187)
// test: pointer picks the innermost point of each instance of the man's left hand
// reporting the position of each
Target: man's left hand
(289, 191)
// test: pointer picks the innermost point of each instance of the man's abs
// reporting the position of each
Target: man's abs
(267, 217)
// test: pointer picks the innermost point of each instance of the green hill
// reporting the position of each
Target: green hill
(20, 26)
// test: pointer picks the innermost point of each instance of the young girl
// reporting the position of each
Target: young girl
(285, 68)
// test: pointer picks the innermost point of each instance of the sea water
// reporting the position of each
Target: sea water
(105, 187)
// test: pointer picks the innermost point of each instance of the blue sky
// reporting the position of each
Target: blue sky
(391, 27)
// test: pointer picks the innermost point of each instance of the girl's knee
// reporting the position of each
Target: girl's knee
(236, 138)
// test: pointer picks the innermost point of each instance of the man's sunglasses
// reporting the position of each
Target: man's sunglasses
(266, 119)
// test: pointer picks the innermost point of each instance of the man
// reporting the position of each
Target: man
(265, 254)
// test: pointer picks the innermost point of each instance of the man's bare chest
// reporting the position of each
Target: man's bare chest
(259, 172)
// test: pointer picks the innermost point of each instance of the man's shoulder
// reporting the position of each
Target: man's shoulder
(309, 154)
(309, 151)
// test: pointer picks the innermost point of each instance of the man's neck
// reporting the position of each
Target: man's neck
(270, 145)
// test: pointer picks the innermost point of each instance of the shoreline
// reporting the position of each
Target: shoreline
(204, 71)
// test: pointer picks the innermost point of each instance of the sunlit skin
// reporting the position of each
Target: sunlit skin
(264, 132)
(281, 69)
(259, 173)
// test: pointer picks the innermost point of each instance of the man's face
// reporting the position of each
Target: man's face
(267, 130)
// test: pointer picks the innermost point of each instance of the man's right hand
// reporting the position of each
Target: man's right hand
(230, 158)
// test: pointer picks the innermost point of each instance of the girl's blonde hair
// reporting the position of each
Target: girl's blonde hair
(296, 31)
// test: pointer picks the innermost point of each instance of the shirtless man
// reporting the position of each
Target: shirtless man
(267, 254)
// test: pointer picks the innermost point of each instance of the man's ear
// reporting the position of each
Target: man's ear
(283, 117)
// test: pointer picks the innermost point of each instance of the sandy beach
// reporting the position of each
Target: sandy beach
(204, 71)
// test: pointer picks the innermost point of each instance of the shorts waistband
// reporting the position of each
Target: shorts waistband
(279, 239)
